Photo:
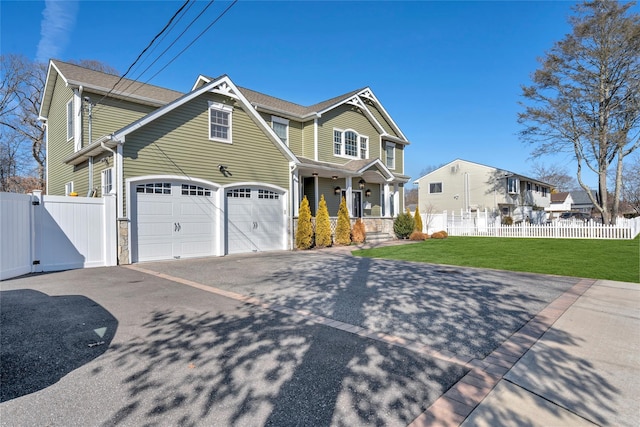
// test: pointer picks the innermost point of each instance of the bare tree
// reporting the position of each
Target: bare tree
(631, 183)
(20, 97)
(585, 99)
(555, 175)
(21, 94)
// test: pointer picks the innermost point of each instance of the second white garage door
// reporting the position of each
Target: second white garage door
(255, 220)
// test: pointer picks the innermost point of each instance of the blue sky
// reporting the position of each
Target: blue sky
(449, 73)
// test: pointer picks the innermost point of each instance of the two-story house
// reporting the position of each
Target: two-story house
(467, 186)
(220, 169)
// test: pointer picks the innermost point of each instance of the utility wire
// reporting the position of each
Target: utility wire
(170, 45)
(146, 48)
(153, 49)
(194, 40)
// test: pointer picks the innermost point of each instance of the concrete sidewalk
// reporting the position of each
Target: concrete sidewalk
(584, 371)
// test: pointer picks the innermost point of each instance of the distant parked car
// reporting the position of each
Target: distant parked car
(575, 215)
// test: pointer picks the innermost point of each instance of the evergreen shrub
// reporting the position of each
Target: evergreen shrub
(404, 225)
(343, 228)
(323, 225)
(304, 232)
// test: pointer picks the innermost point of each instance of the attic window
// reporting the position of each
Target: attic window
(220, 122)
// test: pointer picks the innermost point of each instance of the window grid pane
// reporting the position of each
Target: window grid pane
(219, 124)
(363, 147)
(337, 142)
(351, 144)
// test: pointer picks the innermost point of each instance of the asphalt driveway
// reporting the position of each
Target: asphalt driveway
(299, 338)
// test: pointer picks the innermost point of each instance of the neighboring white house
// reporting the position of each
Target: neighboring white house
(466, 186)
(560, 202)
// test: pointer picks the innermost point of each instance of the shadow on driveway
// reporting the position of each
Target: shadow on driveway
(44, 337)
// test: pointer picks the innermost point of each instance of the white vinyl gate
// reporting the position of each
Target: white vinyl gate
(53, 233)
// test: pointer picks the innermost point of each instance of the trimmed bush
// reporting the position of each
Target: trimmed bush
(418, 219)
(358, 234)
(304, 232)
(343, 228)
(404, 225)
(417, 235)
(507, 220)
(439, 235)
(323, 225)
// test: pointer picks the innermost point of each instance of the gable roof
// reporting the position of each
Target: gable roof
(271, 104)
(509, 173)
(581, 197)
(559, 197)
(102, 83)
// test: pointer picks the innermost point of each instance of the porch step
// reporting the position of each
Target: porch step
(377, 237)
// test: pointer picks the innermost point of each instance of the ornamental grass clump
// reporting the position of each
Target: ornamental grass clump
(304, 232)
(343, 228)
(439, 235)
(323, 225)
(358, 234)
(404, 225)
(418, 235)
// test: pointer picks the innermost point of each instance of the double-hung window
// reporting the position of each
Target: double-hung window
(348, 143)
(390, 155)
(513, 185)
(281, 128)
(70, 121)
(220, 122)
(435, 187)
(68, 188)
(107, 181)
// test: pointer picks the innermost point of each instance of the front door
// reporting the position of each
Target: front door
(357, 204)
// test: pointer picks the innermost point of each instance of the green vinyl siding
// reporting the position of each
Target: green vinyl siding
(399, 152)
(178, 144)
(344, 117)
(59, 148)
(308, 141)
(326, 187)
(374, 199)
(295, 136)
(381, 119)
(110, 115)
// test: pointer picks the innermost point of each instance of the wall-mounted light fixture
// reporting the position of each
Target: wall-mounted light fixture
(334, 177)
(223, 170)
(367, 193)
(361, 184)
(337, 190)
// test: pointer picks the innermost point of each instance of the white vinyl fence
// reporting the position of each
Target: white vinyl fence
(485, 224)
(52, 233)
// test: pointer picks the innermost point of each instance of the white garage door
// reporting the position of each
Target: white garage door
(255, 220)
(173, 220)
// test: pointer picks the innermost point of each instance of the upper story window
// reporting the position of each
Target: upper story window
(220, 122)
(544, 191)
(435, 187)
(390, 154)
(528, 186)
(513, 185)
(281, 128)
(70, 121)
(350, 144)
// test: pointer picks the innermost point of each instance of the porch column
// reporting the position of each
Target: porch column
(396, 200)
(316, 194)
(387, 202)
(349, 195)
(295, 191)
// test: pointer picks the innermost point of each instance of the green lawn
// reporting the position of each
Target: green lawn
(598, 259)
